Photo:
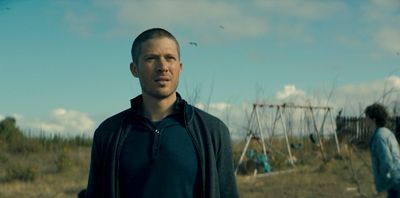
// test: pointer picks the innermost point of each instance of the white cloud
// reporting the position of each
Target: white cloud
(289, 91)
(292, 20)
(288, 32)
(233, 115)
(17, 116)
(2, 117)
(59, 112)
(203, 18)
(383, 16)
(196, 15)
(394, 81)
(286, 20)
(200, 105)
(381, 10)
(61, 121)
(306, 9)
(352, 98)
(387, 3)
(389, 39)
(80, 23)
(216, 108)
(220, 106)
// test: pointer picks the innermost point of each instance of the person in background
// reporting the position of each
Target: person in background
(161, 146)
(384, 149)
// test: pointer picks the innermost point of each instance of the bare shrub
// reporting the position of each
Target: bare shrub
(63, 161)
(21, 173)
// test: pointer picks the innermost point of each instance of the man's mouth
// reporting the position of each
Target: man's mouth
(162, 79)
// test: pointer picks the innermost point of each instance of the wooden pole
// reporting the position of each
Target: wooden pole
(321, 146)
(335, 134)
(287, 141)
(248, 139)
(261, 134)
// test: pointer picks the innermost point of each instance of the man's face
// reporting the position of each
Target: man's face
(370, 123)
(158, 67)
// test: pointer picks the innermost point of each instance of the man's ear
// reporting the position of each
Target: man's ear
(134, 69)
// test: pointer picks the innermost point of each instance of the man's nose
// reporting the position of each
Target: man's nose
(162, 65)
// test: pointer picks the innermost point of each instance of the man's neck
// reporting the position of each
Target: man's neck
(157, 109)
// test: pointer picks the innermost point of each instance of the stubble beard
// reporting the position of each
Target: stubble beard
(160, 94)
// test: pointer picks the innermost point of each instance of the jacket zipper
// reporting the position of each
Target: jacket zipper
(156, 144)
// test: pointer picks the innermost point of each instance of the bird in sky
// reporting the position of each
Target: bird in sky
(193, 43)
(221, 26)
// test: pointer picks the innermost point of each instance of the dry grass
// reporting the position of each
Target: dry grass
(63, 173)
(50, 181)
(346, 175)
(335, 179)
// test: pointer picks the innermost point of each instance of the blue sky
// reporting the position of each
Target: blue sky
(64, 64)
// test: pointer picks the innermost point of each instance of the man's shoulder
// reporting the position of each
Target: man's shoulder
(112, 121)
(199, 112)
(206, 117)
(210, 125)
(384, 132)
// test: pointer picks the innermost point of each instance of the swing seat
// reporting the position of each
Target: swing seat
(313, 139)
(295, 146)
(263, 162)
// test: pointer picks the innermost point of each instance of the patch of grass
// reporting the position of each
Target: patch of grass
(63, 161)
(58, 167)
(3, 158)
(25, 145)
(21, 173)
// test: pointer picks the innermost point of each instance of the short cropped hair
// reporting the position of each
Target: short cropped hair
(378, 112)
(147, 35)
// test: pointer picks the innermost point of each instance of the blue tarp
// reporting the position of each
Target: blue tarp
(260, 159)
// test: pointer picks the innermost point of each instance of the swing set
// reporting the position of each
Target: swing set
(270, 119)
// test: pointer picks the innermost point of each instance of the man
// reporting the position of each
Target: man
(161, 146)
(385, 154)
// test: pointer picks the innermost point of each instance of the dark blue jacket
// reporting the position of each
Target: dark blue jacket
(210, 137)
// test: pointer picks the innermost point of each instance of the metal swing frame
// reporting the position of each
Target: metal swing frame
(258, 134)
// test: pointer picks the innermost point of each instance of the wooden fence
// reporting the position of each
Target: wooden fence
(354, 129)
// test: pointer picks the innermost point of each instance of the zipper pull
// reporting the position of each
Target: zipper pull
(156, 144)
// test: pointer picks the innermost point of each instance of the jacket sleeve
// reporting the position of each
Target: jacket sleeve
(227, 180)
(95, 178)
(383, 164)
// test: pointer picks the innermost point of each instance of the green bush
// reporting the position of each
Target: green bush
(3, 159)
(9, 131)
(14, 141)
(3, 145)
(12, 138)
(21, 173)
(25, 145)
